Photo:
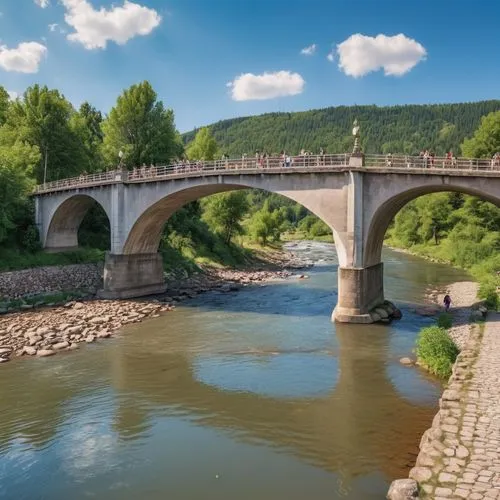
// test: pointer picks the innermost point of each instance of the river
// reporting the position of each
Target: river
(254, 394)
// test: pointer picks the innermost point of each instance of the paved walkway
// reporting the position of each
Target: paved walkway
(460, 454)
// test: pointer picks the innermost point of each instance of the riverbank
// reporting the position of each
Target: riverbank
(459, 454)
(42, 330)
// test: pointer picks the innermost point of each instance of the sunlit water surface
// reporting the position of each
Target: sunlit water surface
(247, 395)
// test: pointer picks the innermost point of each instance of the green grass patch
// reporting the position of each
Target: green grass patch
(444, 320)
(14, 259)
(436, 350)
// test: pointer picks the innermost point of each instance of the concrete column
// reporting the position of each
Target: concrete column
(360, 290)
(134, 275)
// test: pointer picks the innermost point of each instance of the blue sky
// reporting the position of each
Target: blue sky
(191, 49)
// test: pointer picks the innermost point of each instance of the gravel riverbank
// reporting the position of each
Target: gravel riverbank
(44, 331)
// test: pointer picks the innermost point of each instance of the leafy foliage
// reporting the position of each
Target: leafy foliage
(436, 350)
(203, 147)
(444, 320)
(141, 128)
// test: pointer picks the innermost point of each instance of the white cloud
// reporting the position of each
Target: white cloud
(42, 3)
(23, 59)
(13, 95)
(309, 51)
(331, 55)
(248, 86)
(53, 27)
(396, 55)
(94, 28)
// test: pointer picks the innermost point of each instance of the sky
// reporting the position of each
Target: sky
(215, 59)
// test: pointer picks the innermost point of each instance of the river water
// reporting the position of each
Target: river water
(247, 395)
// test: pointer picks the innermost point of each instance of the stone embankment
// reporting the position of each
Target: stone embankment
(45, 331)
(460, 454)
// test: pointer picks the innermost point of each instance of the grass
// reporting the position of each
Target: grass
(444, 320)
(45, 298)
(13, 259)
(436, 351)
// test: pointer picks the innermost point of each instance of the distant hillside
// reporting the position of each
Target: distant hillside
(403, 129)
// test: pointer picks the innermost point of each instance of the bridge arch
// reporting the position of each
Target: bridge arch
(389, 207)
(145, 232)
(66, 217)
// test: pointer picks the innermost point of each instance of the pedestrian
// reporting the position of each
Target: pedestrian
(447, 302)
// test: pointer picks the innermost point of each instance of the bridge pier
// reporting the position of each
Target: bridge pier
(135, 275)
(359, 291)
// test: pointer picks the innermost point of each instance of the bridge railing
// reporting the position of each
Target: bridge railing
(288, 163)
(81, 181)
(431, 162)
(232, 165)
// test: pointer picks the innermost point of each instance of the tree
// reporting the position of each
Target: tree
(204, 146)
(42, 118)
(265, 224)
(16, 165)
(140, 127)
(86, 123)
(4, 104)
(224, 213)
(486, 139)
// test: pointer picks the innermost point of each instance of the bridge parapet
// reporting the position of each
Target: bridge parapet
(325, 162)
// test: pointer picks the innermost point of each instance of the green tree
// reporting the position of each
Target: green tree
(86, 123)
(140, 127)
(266, 224)
(224, 213)
(486, 139)
(42, 118)
(16, 165)
(204, 146)
(4, 105)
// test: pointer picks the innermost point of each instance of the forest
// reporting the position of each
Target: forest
(43, 138)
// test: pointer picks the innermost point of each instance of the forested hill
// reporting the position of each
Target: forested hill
(395, 129)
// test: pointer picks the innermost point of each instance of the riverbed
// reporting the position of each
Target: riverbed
(253, 394)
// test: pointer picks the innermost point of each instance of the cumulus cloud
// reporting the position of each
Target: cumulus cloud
(25, 58)
(309, 51)
(331, 55)
(248, 86)
(94, 28)
(396, 55)
(53, 27)
(13, 95)
(42, 3)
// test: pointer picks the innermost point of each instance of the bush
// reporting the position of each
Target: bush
(436, 350)
(444, 320)
(488, 291)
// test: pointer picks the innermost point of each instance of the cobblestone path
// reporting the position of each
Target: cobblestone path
(460, 454)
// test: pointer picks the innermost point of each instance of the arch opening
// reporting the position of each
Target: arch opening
(145, 234)
(79, 219)
(386, 213)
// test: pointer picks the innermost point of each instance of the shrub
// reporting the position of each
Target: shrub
(436, 350)
(444, 320)
(488, 291)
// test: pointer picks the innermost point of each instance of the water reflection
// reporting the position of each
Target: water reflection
(275, 405)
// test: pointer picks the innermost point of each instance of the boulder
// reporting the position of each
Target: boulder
(382, 312)
(73, 330)
(31, 351)
(403, 489)
(406, 361)
(375, 316)
(397, 314)
(60, 345)
(4, 360)
(78, 305)
(5, 351)
(45, 352)
(90, 338)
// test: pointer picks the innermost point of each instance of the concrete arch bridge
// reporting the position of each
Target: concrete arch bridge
(357, 196)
